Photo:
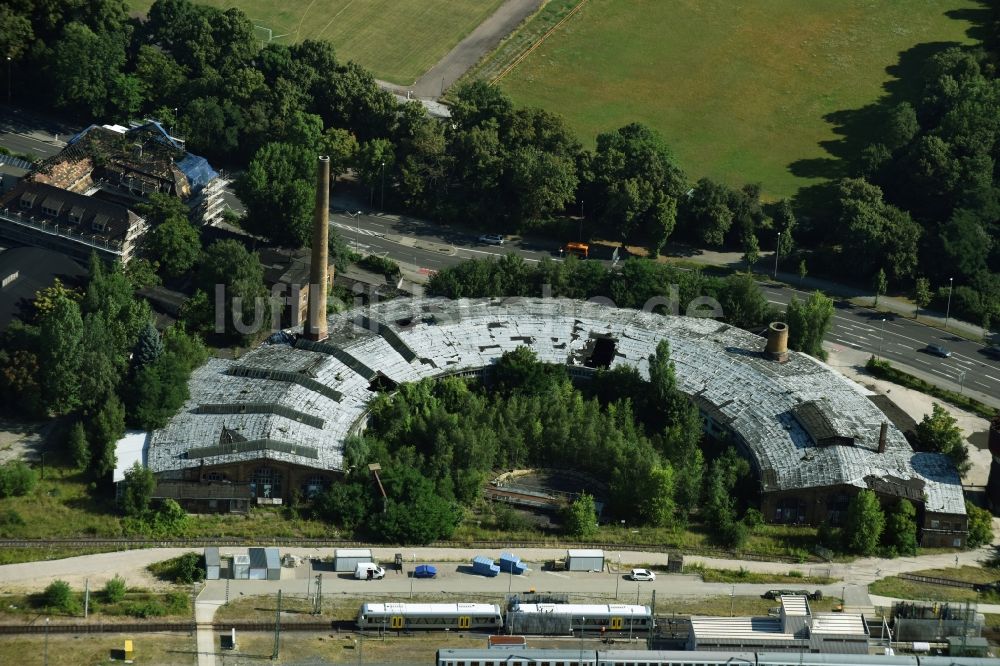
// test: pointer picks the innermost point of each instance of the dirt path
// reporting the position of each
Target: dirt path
(467, 53)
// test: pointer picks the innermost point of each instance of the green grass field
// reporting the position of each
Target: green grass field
(739, 90)
(398, 40)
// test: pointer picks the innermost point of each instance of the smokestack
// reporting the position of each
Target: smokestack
(883, 431)
(315, 328)
(777, 341)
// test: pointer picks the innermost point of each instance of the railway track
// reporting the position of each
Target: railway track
(298, 542)
(153, 627)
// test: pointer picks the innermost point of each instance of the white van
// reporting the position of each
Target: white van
(368, 571)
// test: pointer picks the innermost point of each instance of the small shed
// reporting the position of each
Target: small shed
(212, 563)
(258, 564)
(584, 560)
(273, 563)
(347, 559)
(240, 567)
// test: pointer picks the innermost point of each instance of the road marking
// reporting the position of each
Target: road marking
(553, 573)
(991, 377)
(922, 361)
(979, 384)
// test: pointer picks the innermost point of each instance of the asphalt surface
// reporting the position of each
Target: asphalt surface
(427, 248)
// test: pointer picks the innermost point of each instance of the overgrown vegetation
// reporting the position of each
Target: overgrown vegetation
(183, 569)
(745, 576)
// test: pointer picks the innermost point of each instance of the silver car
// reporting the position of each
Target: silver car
(642, 574)
(491, 239)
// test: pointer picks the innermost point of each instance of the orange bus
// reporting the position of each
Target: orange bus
(581, 250)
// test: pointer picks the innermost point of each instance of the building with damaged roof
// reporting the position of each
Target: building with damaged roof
(278, 417)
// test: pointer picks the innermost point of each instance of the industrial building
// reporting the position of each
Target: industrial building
(794, 629)
(276, 419)
(508, 656)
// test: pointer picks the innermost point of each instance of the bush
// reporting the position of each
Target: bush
(377, 264)
(884, 370)
(114, 590)
(144, 609)
(980, 525)
(753, 518)
(178, 603)
(59, 596)
(16, 479)
(187, 569)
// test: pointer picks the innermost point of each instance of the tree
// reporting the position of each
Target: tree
(921, 294)
(342, 148)
(751, 251)
(84, 70)
(346, 504)
(158, 391)
(581, 517)
(808, 323)
(239, 272)
(865, 523)
(901, 528)
(880, 284)
(415, 512)
(872, 230)
(61, 336)
(743, 303)
(803, 271)
(635, 184)
(176, 244)
(939, 432)
(980, 525)
(107, 426)
(709, 217)
(139, 486)
(149, 348)
(114, 590)
(78, 447)
(59, 596)
(279, 190)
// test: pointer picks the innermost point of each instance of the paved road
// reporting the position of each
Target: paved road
(426, 248)
(483, 39)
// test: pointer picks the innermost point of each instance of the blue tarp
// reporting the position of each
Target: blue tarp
(198, 171)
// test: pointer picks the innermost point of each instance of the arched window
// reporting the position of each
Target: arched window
(265, 482)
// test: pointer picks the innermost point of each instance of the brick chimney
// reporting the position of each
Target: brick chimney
(883, 431)
(315, 327)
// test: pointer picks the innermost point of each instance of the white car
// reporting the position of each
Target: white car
(642, 574)
(491, 239)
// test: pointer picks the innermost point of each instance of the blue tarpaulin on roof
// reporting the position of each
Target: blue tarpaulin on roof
(198, 171)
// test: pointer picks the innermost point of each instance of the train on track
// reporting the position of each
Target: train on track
(526, 657)
(541, 618)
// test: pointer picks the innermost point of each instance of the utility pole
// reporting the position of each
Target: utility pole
(318, 604)
(86, 598)
(881, 338)
(382, 203)
(777, 251)
(277, 628)
(46, 621)
(947, 313)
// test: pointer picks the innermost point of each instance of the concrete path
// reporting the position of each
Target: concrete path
(470, 50)
(204, 612)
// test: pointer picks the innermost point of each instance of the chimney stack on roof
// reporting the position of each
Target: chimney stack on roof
(315, 328)
(883, 431)
(777, 341)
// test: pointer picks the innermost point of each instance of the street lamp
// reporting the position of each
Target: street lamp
(618, 576)
(961, 382)
(382, 204)
(777, 251)
(947, 314)
(46, 624)
(8, 80)
(881, 339)
(357, 230)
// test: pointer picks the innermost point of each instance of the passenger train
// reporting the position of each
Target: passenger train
(569, 657)
(571, 617)
(400, 616)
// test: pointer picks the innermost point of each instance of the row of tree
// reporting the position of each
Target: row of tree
(639, 283)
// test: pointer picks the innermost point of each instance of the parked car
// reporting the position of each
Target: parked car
(776, 594)
(642, 574)
(938, 350)
(425, 571)
(491, 239)
(993, 351)
(368, 571)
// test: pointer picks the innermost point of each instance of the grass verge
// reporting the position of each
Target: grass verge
(901, 588)
(884, 370)
(743, 576)
(73, 650)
